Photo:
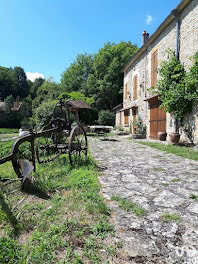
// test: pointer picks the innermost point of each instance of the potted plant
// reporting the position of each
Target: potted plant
(140, 129)
(171, 90)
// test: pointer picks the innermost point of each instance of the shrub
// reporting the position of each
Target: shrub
(106, 118)
(43, 113)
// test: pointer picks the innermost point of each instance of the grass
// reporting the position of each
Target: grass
(164, 184)
(63, 218)
(5, 148)
(194, 197)
(170, 217)
(181, 151)
(129, 206)
(9, 130)
(159, 169)
(176, 180)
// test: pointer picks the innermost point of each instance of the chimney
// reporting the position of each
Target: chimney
(145, 37)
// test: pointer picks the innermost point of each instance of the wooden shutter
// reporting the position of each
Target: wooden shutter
(135, 87)
(126, 91)
(120, 118)
(154, 65)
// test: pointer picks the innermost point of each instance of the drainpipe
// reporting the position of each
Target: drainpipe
(174, 13)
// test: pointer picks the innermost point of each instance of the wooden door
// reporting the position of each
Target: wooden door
(157, 120)
(126, 117)
(134, 120)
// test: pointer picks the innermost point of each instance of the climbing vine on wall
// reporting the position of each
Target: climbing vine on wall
(176, 87)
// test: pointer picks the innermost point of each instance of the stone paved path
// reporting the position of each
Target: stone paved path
(161, 183)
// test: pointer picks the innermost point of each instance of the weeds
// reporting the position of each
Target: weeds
(129, 206)
(170, 217)
(194, 197)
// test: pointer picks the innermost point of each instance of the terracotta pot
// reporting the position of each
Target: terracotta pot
(174, 137)
(162, 136)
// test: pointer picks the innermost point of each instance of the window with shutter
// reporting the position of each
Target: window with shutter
(154, 65)
(135, 80)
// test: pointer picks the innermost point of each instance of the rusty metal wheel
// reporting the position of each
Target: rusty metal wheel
(77, 145)
(23, 160)
(46, 147)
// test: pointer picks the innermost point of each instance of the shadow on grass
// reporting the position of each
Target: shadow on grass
(8, 211)
(30, 188)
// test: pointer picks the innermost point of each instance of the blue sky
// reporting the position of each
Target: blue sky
(45, 36)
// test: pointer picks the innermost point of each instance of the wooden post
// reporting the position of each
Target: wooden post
(77, 117)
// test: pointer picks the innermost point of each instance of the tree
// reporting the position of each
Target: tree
(26, 110)
(21, 85)
(35, 86)
(76, 96)
(44, 112)
(100, 76)
(106, 118)
(8, 104)
(47, 91)
(6, 82)
(75, 77)
(106, 83)
(171, 87)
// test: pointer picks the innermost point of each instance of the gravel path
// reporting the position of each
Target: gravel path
(162, 184)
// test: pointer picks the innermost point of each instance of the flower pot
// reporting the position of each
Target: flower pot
(174, 137)
(162, 136)
(138, 136)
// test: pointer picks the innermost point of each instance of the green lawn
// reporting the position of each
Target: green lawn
(63, 218)
(9, 130)
(183, 151)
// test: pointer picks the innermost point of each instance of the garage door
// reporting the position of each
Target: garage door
(157, 120)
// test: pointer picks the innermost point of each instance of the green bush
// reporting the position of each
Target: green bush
(43, 113)
(106, 118)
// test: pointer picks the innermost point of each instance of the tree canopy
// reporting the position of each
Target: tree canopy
(100, 76)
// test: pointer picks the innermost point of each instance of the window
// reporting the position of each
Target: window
(135, 80)
(126, 91)
(126, 117)
(154, 64)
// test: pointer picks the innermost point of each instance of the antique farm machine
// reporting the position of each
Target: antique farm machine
(54, 139)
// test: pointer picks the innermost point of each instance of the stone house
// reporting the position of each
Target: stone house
(178, 32)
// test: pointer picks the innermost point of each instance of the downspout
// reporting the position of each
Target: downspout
(174, 13)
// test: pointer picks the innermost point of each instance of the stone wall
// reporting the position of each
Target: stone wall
(142, 66)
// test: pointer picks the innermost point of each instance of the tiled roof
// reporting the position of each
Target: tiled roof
(75, 104)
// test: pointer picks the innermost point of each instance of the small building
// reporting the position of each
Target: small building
(178, 32)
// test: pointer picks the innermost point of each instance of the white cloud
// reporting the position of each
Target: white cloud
(149, 19)
(33, 75)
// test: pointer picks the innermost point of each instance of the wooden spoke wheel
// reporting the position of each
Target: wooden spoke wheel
(77, 145)
(46, 147)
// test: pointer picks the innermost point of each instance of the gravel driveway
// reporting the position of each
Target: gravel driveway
(165, 185)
